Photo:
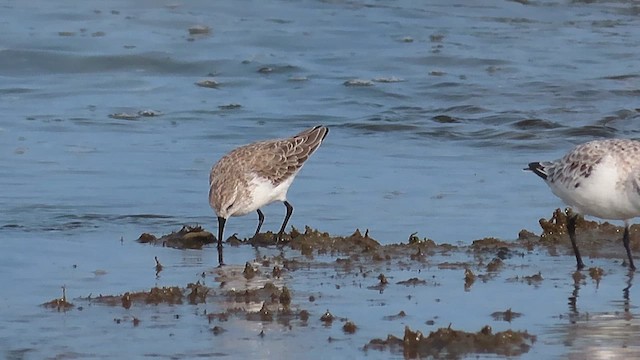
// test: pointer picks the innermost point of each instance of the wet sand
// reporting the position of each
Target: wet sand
(316, 295)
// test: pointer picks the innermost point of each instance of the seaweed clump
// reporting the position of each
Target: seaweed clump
(322, 242)
(157, 295)
(60, 304)
(595, 239)
(314, 241)
(189, 237)
(456, 343)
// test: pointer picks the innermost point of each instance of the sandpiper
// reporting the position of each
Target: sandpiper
(257, 174)
(599, 178)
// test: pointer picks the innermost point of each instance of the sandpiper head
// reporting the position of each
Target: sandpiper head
(223, 200)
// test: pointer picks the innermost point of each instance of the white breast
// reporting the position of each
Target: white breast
(262, 192)
(607, 193)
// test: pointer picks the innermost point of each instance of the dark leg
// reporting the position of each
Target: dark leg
(625, 241)
(221, 222)
(286, 219)
(571, 226)
(260, 221)
(625, 292)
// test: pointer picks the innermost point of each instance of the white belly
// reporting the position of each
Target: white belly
(263, 193)
(606, 194)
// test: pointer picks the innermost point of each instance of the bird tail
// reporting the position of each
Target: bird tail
(538, 169)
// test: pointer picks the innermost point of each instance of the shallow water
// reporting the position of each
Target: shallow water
(461, 96)
(601, 323)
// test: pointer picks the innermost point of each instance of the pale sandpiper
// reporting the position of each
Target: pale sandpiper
(599, 178)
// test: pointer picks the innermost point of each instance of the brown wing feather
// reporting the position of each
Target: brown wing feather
(275, 160)
(283, 158)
